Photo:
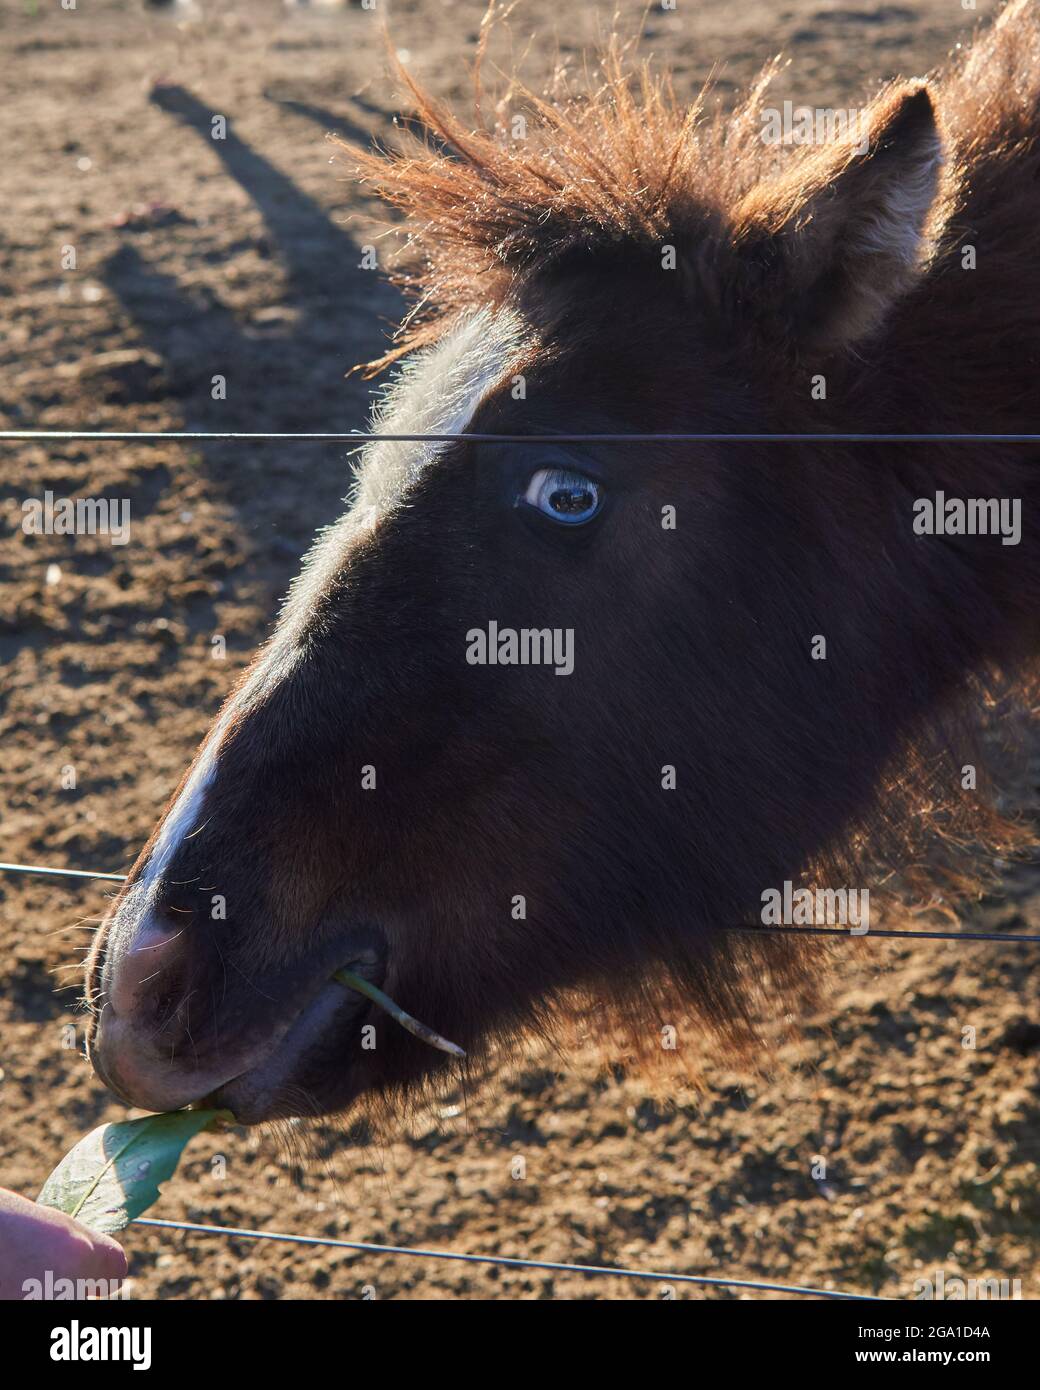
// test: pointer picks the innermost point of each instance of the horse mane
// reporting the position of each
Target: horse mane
(621, 165)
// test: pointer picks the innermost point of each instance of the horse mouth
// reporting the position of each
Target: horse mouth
(284, 1081)
(280, 1057)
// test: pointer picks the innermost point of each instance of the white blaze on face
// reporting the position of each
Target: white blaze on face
(436, 391)
(142, 938)
(186, 815)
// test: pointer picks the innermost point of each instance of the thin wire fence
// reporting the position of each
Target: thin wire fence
(509, 1261)
(761, 928)
(654, 437)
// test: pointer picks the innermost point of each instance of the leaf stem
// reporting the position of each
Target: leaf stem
(420, 1030)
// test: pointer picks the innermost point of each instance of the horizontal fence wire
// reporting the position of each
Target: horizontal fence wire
(511, 1262)
(654, 437)
(761, 928)
(60, 873)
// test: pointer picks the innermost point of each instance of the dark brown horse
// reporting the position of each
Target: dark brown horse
(540, 719)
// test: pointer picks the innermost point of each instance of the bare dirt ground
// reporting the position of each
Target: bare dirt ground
(196, 257)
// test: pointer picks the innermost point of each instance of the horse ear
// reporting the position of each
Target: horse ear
(834, 241)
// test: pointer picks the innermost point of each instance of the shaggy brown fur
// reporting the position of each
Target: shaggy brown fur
(624, 168)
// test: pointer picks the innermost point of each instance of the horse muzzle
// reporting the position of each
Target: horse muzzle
(173, 1028)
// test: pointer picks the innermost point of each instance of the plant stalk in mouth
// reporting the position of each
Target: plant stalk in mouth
(420, 1030)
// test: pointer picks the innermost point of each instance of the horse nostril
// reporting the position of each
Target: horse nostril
(143, 966)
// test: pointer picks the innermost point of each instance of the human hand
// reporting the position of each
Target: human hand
(35, 1240)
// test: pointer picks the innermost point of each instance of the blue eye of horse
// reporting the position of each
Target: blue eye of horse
(564, 495)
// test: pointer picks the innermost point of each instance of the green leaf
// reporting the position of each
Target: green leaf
(114, 1173)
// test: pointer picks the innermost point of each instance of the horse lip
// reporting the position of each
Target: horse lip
(252, 1094)
(176, 1088)
(360, 948)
